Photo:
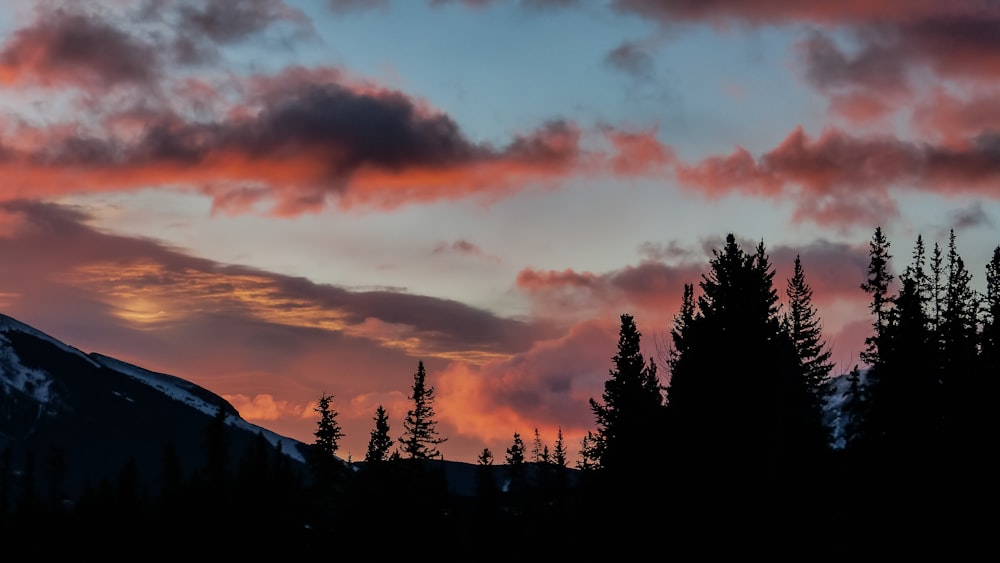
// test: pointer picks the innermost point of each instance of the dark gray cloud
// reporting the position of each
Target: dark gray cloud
(631, 59)
(972, 216)
(73, 46)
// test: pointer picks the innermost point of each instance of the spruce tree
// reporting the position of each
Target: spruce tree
(515, 453)
(805, 329)
(328, 432)
(379, 442)
(420, 438)
(736, 395)
(959, 319)
(559, 453)
(877, 286)
(630, 415)
(539, 452)
(590, 459)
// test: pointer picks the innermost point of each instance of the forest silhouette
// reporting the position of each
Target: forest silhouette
(735, 443)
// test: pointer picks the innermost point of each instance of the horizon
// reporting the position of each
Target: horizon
(280, 199)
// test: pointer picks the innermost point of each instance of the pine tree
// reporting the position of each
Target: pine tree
(379, 443)
(589, 458)
(420, 438)
(559, 453)
(629, 418)
(538, 451)
(736, 395)
(485, 457)
(877, 285)
(803, 324)
(959, 319)
(328, 432)
(515, 453)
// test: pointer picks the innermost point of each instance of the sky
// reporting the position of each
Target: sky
(280, 199)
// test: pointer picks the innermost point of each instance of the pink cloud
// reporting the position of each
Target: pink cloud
(842, 179)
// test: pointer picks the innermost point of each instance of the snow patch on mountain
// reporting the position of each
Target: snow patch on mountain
(8, 324)
(14, 375)
(180, 390)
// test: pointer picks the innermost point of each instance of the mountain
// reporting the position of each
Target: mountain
(70, 420)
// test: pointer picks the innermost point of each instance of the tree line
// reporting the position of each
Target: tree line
(749, 433)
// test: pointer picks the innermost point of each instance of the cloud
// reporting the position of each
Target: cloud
(955, 119)
(270, 343)
(631, 59)
(302, 141)
(235, 20)
(972, 216)
(869, 58)
(95, 48)
(265, 408)
(70, 47)
(147, 285)
(840, 179)
(638, 152)
(300, 147)
(547, 387)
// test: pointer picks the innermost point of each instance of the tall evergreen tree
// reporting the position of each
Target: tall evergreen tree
(538, 451)
(515, 453)
(803, 323)
(877, 286)
(630, 416)
(559, 453)
(328, 431)
(379, 442)
(590, 459)
(959, 319)
(736, 396)
(420, 438)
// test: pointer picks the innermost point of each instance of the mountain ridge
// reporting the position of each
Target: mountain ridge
(86, 415)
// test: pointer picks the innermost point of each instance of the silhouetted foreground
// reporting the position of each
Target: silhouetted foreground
(740, 452)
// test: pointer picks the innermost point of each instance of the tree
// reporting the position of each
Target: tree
(589, 458)
(328, 432)
(803, 324)
(539, 451)
(628, 419)
(420, 438)
(959, 319)
(559, 453)
(877, 285)
(737, 396)
(515, 453)
(379, 442)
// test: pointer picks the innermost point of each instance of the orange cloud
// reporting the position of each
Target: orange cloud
(841, 179)
(298, 151)
(638, 152)
(547, 387)
(264, 408)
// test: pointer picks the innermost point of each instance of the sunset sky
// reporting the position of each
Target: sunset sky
(280, 199)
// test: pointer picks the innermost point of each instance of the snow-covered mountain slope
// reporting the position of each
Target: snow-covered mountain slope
(91, 414)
